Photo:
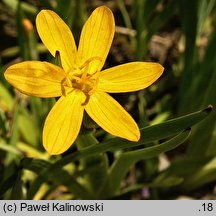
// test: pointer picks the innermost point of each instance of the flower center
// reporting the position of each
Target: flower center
(78, 78)
(85, 83)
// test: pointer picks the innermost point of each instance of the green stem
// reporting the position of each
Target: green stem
(93, 178)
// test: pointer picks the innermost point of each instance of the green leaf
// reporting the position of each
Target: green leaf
(6, 97)
(189, 20)
(8, 148)
(13, 4)
(99, 163)
(148, 135)
(46, 172)
(205, 8)
(206, 174)
(17, 190)
(126, 18)
(190, 172)
(205, 73)
(8, 183)
(166, 181)
(27, 128)
(35, 165)
(205, 94)
(122, 164)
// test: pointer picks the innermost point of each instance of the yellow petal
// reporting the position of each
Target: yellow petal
(129, 77)
(96, 38)
(63, 123)
(56, 36)
(35, 78)
(112, 117)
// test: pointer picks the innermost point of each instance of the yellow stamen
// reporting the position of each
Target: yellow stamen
(86, 63)
(79, 78)
(95, 58)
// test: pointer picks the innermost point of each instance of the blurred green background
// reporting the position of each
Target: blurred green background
(179, 34)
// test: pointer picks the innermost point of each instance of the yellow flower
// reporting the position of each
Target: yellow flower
(80, 83)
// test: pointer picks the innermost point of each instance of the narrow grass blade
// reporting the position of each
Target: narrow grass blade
(42, 168)
(189, 20)
(148, 134)
(122, 164)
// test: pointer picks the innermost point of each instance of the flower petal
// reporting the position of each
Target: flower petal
(96, 38)
(56, 36)
(129, 77)
(35, 78)
(112, 117)
(63, 123)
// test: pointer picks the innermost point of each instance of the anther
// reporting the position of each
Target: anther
(87, 62)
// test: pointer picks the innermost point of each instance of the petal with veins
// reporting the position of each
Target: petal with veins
(112, 117)
(63, 123)
(35, 78)
(129, 77)
(56, 36)
(96, 39)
